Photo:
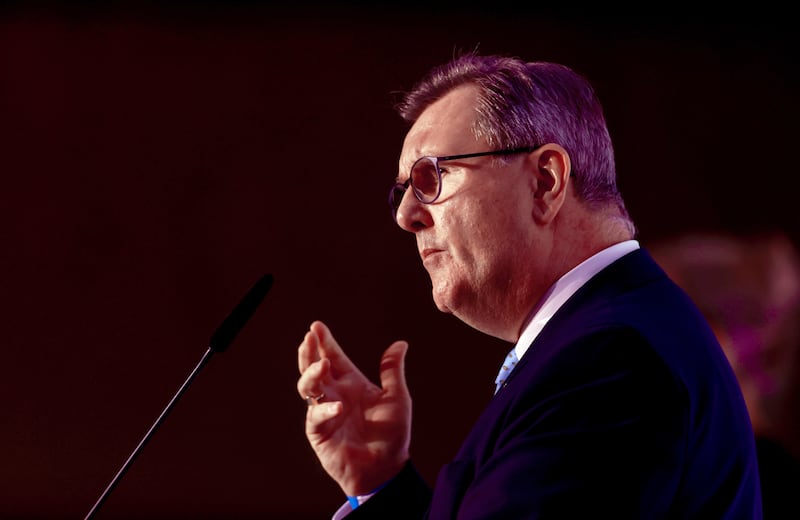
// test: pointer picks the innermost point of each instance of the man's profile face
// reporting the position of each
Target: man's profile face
(470, 239)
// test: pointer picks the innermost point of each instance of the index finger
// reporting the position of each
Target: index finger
(318, 344)
(308, 351)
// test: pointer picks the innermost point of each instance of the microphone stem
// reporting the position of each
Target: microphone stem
(149, 434)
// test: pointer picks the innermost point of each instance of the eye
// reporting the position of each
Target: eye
(425, 180)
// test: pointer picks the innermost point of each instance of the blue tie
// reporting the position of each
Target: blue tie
(508, 366)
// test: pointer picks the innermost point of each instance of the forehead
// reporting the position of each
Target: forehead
(444, 128)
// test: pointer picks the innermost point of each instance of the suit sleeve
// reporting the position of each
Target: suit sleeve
(406, 497)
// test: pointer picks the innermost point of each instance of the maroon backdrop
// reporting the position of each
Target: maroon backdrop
(155, 162)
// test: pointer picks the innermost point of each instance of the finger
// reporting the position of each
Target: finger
(328, 347)
(318, 417)
(313, 380)
(392, 370)
(308, 351)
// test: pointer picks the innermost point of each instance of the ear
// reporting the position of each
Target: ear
(551, 172)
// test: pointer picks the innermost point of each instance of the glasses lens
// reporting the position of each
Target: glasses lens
(425, 179)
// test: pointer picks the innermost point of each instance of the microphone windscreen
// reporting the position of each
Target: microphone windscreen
(233, 323)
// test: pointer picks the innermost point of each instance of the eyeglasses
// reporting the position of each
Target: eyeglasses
(426, 177)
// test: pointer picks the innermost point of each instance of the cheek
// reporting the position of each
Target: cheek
(480, 225)
(462, 228)
(494, 224)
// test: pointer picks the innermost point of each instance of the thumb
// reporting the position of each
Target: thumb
(393, 369)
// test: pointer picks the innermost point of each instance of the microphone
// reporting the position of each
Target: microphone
(219, 342)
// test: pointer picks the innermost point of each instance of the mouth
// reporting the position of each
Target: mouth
(428, 252)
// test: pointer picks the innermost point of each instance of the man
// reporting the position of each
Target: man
(616, 401)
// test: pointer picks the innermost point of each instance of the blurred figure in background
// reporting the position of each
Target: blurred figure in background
(748, 287)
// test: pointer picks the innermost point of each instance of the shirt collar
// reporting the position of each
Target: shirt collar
(565, 287)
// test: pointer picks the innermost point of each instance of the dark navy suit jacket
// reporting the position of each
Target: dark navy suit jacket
(623, 407)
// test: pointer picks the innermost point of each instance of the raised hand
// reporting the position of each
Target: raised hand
(359, 431)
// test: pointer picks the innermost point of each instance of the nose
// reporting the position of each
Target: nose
(413, 215)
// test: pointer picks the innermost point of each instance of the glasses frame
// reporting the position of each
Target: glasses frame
(403, 186)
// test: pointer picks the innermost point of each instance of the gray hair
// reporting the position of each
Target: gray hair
(526, 104)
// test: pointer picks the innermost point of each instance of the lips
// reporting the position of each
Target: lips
(427, 252)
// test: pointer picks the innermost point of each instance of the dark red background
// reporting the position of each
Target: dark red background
(156, 161)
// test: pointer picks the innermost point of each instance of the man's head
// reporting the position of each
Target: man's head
(505, 227)
(523, 104)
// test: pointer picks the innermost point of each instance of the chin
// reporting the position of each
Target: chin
(443, 307)
(440, 301)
